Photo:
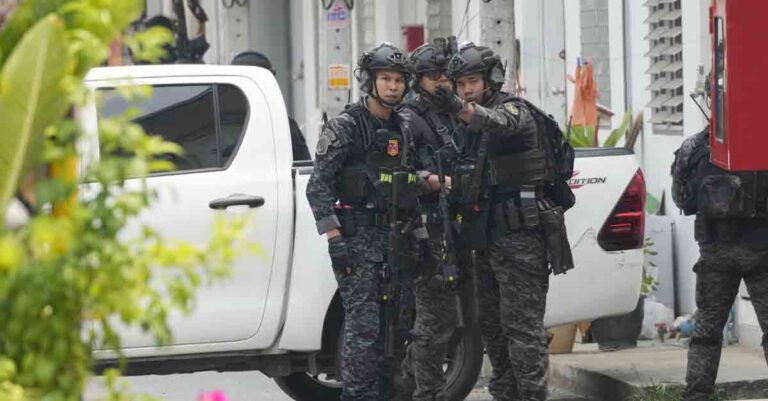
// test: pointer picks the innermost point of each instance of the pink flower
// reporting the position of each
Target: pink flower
(216, 395)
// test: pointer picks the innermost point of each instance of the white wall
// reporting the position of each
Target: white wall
(413, 12)
(466, 20)
(388, 22)
(572, 44)
(656, 151)
(616, 51)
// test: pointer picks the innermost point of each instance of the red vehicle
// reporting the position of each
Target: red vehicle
(739, 88)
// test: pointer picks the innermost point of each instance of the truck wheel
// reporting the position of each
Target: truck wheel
(462, 368)
(463, 364)
(304, 387)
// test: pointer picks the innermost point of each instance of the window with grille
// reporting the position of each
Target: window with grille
(665, 35)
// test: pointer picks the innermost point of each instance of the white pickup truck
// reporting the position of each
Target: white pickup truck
(281, 314)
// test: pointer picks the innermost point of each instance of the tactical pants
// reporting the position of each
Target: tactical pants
(434, 325)
(364, 369)
(514, 280)
(719, 271)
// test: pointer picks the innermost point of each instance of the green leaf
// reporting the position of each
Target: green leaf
(31, 98)
(27, 14)
(620, 131)
(582, 137)
(651, 204)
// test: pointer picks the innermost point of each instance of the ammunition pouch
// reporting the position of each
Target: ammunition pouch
(461, 184)
(519, 211)
(358, 186)
(353, 185)
(400, 184)
(727, 196)
(516, 169)
(473, 221)
(561, 193)
(556, 240)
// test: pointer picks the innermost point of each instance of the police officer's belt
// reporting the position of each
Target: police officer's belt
(364, 219)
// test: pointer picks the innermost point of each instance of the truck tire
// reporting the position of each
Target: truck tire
(463, 364)
(304, 387)
(462, 368)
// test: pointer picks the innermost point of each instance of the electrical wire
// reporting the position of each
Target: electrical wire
(464, 18)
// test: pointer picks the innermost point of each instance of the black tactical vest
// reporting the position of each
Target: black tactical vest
(434, 133)
(519, 159)
(379, 151)
(512, 161)
(702, 188)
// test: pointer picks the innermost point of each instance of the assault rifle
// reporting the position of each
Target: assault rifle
(449, 266)
(401, 224)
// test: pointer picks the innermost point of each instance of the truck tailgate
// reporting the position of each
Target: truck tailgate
(603, 283)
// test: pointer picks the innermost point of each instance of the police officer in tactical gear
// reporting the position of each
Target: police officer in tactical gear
(498, 187)
(298, 143)
(432, 130)
(731, 228)
(347, 192)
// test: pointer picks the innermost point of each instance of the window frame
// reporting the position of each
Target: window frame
(217, 123)
(719, 82)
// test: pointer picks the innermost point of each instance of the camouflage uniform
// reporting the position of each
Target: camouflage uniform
(365, 372)
(502, 384)
(732, 230)
(514, 276)
(719, 272)
(435, 306)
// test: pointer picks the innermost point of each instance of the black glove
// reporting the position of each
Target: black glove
(337, 248)
(446, 100)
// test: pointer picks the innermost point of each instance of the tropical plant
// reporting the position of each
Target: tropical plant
(68, 275)
(584, 137)
(649, 283)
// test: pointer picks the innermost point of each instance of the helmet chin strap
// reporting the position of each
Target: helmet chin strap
(486, 94)
(383, 102)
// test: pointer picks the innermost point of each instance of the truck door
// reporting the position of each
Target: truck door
(226, 130)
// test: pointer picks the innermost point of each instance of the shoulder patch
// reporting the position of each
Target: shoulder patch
(512, 108)
(327, 137)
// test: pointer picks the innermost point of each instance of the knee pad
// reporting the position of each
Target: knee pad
(707, 341)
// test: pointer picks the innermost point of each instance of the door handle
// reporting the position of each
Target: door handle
(236, 200)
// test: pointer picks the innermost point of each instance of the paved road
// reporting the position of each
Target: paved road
(241, 386)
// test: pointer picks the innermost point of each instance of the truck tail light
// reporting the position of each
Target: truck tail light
(625, 227)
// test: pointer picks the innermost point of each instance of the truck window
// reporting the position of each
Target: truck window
(233, 111)
(206, 120)
(720, 83)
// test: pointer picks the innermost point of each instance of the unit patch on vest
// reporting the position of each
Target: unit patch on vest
(327, 137)
(512, 109)
(393, 148)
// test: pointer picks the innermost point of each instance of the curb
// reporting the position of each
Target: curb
(601, 387)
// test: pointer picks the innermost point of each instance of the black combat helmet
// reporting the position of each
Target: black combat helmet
(432, 58)
(473, 59)
(382, 57)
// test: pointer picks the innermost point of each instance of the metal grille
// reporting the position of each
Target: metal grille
(665, 36)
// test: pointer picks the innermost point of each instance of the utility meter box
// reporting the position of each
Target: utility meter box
(739, 84)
